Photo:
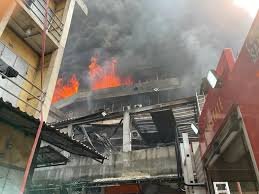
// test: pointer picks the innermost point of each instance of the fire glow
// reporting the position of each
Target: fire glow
(100, 77)
(65, 90)
(106, 76)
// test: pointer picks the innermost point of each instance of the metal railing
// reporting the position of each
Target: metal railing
(24, 81)
(55, 25)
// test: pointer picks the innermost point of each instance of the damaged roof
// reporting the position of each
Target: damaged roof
(88, 119)
(22, 121)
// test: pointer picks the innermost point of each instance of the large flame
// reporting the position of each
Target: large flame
(64, 90)
(106, 76)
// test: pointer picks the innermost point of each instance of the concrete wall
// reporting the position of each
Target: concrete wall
(140, 163)
(10, 180)
(18, 46)
(15, 147)
(21, 49)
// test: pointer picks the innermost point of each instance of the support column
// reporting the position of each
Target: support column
(51, 74)
(126, 147)
(70, 130)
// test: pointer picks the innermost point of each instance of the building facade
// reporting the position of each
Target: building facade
(229, 120)
(21, 46)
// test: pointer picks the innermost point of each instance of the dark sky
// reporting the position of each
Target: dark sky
(183, 37)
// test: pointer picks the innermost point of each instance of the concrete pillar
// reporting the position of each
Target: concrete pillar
(126, 147)
(51, 75)
(70, 130)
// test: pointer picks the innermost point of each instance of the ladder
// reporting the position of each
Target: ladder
(200, 101)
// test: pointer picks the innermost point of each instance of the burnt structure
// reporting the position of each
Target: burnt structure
(138, 128)
(150, 126)
(148, 129)
(141, 144)
(121, 98)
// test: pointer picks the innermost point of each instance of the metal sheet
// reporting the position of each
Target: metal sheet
(22, 121)
(48, 156)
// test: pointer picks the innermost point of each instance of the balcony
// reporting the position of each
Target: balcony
(18, 89)
(27, 22)
(55, 25)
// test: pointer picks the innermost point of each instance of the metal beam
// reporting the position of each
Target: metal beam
(163, 105)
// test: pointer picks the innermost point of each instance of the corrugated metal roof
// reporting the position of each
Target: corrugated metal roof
(48, 156)
(27, 123)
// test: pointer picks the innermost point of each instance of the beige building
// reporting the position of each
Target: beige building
(21, 27)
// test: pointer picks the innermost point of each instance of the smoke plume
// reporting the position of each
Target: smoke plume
(148, 37)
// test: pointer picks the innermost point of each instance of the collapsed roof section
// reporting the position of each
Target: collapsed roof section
(88, 119)
(156, 127)
(150, 126)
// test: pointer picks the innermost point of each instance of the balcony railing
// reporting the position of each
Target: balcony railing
(55, 25)
(12, 87)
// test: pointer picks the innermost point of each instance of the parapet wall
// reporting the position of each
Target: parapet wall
(159, 161)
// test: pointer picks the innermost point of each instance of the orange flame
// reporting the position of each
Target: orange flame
(64, 90)
(106, 76)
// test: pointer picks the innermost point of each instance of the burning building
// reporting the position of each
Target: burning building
(153, 143)
(113, 92)
(121, 134)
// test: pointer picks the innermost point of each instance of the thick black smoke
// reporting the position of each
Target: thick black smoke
(179, 37)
